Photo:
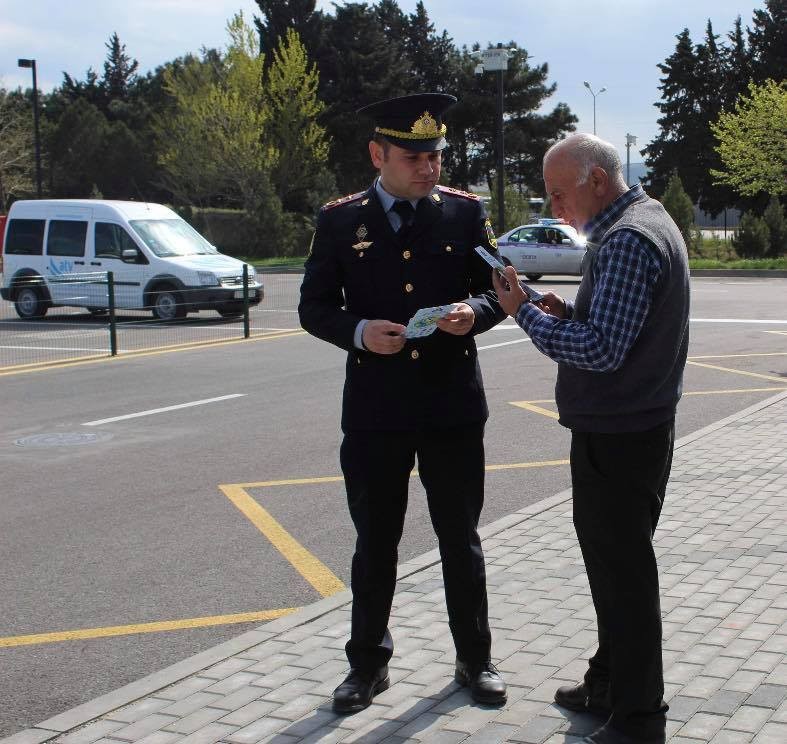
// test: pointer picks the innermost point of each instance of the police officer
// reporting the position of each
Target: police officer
(376, 258)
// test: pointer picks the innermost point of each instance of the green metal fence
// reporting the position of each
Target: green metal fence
(86, 318)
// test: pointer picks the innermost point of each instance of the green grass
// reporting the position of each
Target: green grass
(739, 263)
(704, 262)
(290, 262)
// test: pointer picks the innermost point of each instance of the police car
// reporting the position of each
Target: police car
(547, 247)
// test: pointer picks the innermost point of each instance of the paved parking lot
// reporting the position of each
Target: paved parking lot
(143, 546)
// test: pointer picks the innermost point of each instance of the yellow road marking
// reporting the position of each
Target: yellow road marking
(738, 371)
(528, 406)
(304, 562)
(38, 367)
(780, 333)
(157, 627)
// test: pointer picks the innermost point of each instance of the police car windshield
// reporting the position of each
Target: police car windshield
(168, 238)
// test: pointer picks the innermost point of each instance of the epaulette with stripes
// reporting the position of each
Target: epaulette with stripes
(457, 192)
(344, 200)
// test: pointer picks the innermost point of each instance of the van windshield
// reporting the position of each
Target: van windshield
(168, 238)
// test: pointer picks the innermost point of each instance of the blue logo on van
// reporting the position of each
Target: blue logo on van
(62, 267)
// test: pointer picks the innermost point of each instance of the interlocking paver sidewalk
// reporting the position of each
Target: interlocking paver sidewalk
(722, 547)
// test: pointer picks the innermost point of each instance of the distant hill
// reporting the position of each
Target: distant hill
(637, 172)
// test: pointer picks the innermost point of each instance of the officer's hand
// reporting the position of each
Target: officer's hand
(553, 304)
(383, 337)
(510, 295)
(459, 321)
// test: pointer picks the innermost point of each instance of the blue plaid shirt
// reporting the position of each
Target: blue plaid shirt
(625, 273)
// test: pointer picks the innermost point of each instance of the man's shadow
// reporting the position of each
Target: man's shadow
(323, 720)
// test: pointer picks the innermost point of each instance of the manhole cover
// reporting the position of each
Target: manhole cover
(63, 439)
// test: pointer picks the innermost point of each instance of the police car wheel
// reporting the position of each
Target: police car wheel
(168, 305)
(534, 277)
(30, 304)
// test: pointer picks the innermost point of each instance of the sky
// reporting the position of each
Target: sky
(612, 44)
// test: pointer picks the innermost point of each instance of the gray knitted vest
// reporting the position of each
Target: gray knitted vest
(645, 390)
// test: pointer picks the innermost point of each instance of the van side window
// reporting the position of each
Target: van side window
(25, 237)
(66, 238)
(111, 240)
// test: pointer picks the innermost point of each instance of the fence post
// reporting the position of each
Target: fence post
(246, 330)
(113, 339)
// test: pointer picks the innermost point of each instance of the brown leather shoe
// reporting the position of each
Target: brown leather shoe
(485, 683)
(359, 688)
(583, 699)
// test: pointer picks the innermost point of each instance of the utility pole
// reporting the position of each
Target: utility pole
(630, 140)
(496, 60)
(31, 63)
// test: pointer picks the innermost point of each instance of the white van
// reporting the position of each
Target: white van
(56, 251)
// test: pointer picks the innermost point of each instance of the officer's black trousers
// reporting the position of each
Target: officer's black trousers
(377, 468)
(619, 482)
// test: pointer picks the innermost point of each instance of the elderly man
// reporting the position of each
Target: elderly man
(621, 349)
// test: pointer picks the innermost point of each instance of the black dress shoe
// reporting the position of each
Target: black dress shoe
(608, 735)
(358, 689)
(584, 699)
(485, 683)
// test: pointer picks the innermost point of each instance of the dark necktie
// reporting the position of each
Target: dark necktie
(405, 210)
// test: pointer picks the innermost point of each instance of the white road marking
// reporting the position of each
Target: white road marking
(55, 348)
(738, 320)
(163, 410)
(505, 343)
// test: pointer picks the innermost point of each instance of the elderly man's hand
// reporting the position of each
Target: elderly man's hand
(459, 321)
(510, 295)
(553, 304)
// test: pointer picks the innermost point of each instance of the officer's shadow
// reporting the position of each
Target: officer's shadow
(423, 713)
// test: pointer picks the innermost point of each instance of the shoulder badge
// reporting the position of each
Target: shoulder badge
(457, 192)
(344, 200)
(490, 235)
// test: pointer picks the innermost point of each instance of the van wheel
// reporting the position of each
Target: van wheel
(97, 312)
(30, 303)
(168, 305)
(534, 277)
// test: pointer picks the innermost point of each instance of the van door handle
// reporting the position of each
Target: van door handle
(80, 263)
(95, 263)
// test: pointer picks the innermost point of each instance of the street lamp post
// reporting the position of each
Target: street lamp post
(630, 140)
(496, 60)
(587, 85)
(31, 63)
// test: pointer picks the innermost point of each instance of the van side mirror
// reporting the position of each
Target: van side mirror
(130, 255)
(566, 241)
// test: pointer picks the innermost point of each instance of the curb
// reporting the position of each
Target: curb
(87, 712)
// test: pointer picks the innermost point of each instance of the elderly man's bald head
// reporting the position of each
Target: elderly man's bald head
(583, 175)
(588, 151)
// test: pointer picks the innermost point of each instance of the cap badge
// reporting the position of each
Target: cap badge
(361, 232)
(426, 126)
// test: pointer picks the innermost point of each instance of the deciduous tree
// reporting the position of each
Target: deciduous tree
(752, 141)
(16, 149)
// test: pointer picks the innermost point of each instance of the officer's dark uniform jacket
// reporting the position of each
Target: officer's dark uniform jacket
(360, 268)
